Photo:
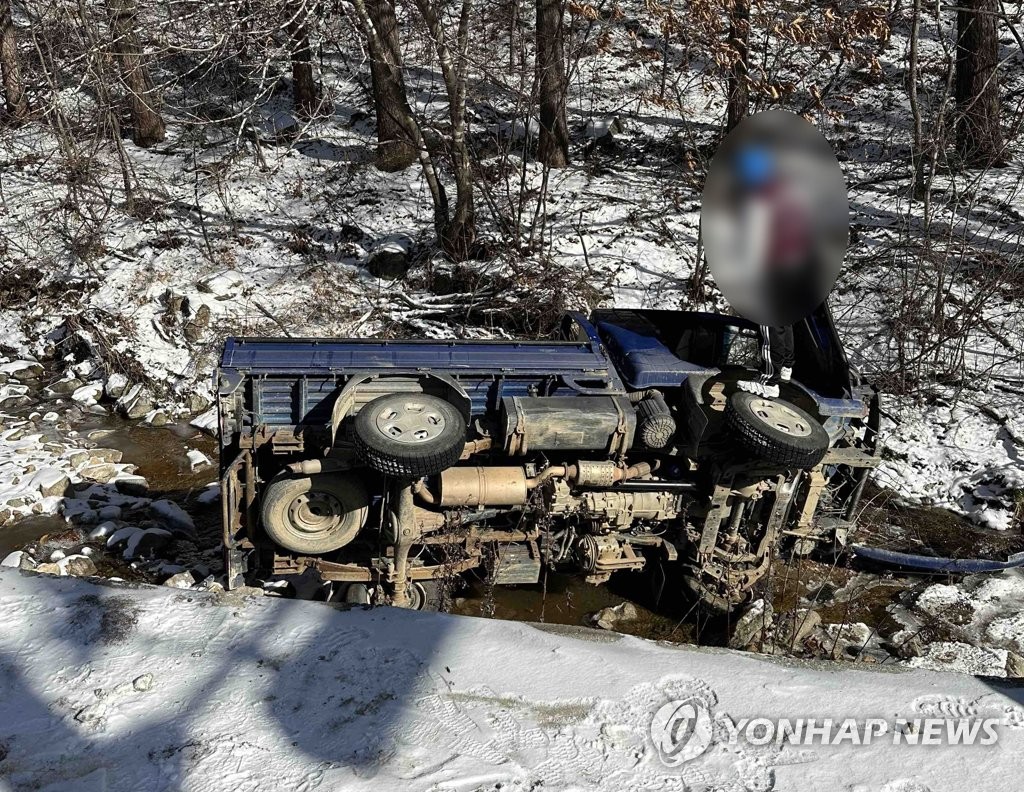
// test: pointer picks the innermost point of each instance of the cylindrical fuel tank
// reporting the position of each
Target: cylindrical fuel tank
(567, 423)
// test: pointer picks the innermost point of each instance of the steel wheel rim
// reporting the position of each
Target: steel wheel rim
(410, 422)
(315, 512)
(781, 416)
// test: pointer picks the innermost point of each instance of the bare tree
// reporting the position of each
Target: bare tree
(14, 89)
(739, 44)
(303, 85)
(147, 125)
(553, 147)
(395, 136)
(460, 230)
(979, 137)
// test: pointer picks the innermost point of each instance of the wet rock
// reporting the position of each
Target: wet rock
(121, 536)
(751, 626)
(109, 513)
(77, 565)
(51, 482)
(77, 458)
(22, 369)
(207, 422)
(51, 417)
(64, 387)
(173, 516)
(1014, 665)
(48, 569)
(136, 486)
(796, 627)
(905, 645)
(607, 618)
(13, 559)
(197, 403)
(848, 640)
(115, 386)
(182, 580)
(102, 472)
(102, 531)
(143, 683)
(209, 495)
(135, 403)
(12, 396)
(145, 543)
(98, 455)
(88, 394)
(156, 418)
(79, 513)
(57, 555)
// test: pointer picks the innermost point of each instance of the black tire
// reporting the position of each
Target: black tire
(424, 595)
(314, 514)
(776, 431)
(389, 439)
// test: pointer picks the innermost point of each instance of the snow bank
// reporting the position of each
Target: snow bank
(160, 689)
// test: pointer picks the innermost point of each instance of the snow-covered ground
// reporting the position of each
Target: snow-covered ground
(117, 688)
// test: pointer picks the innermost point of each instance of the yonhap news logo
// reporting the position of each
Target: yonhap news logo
(683, 729)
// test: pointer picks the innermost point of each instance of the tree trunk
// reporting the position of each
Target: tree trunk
(553, 148)
(303, 86)
(147, 125)
(979, 137)
(396, 149)
(459, 234)
(14, 89)
(739, 41)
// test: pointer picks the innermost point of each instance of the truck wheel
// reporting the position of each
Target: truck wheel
(711, 603)
(776, 431)
(314, 514)
(409, 435)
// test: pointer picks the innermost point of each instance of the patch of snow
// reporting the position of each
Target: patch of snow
(172, 515)
(197, 459)
(963, 658)
(206, 422)
(430, 702)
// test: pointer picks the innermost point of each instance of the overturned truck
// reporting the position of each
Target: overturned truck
(623, 445)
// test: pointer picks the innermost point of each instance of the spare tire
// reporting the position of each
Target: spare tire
(314, 514)
(409, 435)
(776, 431)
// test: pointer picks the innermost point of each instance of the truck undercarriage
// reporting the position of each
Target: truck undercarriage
(621, 446)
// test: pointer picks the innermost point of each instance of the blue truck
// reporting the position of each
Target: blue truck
(622, 444)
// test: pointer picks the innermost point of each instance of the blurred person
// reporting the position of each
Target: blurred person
(774, 219)
(779, 243)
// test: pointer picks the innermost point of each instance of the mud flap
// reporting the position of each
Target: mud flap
(235, 513)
